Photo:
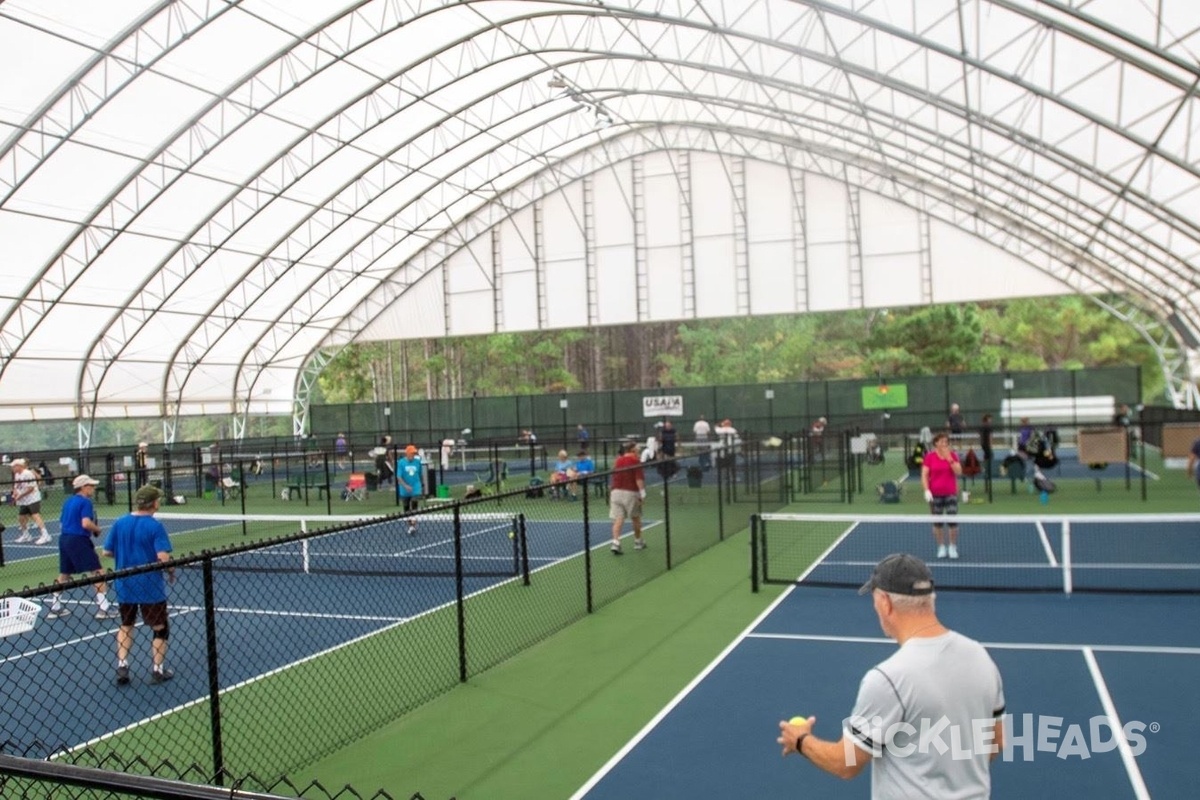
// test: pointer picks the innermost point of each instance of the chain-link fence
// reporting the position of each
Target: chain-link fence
(288, 649)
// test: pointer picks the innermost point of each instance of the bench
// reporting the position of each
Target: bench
(295, 489)
(1060, 410)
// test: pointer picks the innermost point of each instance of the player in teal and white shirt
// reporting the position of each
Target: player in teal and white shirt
(408, 483)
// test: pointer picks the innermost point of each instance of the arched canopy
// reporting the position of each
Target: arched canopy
(201, 199)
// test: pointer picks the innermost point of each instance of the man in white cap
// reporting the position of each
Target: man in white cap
(76, 553)
(27, 497)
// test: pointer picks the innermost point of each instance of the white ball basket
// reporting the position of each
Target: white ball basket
(17, 615)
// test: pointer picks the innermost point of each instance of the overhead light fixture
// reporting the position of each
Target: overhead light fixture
(556, 83)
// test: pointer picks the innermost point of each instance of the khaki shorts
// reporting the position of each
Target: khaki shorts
(624, 504)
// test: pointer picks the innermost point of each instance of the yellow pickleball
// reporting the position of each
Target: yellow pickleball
(798, 720)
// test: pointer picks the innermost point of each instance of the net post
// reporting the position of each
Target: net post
(460, 602)
(214, 683)
(720, 506)
(1068, 580)
(754, 553)
(303, 544)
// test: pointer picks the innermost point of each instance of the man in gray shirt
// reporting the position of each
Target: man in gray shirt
(928, 717)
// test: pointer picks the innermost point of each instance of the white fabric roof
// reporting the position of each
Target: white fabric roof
(199, 200)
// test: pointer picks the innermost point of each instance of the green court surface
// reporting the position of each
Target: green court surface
(540, 724)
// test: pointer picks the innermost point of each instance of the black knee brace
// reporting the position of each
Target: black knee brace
(164, 632)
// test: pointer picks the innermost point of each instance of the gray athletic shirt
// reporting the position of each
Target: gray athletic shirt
(928, 715)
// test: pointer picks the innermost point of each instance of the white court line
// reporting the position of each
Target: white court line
(1041, 529)
(704, 673)
(1054, 646)
(333, 649)
(649, 726)
(1110, 709)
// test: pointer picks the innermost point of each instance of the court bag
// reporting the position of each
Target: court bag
(970, 465)
(1042, 483)
(889, 492)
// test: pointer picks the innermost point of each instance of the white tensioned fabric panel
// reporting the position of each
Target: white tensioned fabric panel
(665, 209)
(827, 239)
(771, 235)
(563, 244)
(966, 267)
(891, 253)
(469, 282)
(713, 207)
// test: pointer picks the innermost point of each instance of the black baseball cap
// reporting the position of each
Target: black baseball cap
(900, 573)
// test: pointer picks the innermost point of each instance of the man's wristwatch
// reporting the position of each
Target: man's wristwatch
(800, 743)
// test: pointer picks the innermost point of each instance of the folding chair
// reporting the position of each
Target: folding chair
(230, 488)
(356, 486)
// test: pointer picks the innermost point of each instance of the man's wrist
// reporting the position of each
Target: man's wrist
(800, 743)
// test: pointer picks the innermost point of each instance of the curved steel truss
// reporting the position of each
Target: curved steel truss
(198, 201)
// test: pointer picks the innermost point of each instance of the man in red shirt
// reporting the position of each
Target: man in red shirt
(625, 499)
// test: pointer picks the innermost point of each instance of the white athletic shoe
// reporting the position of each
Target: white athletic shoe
(941, 551)
(43, 539)
(639, 544)
(412, 529)
(24, 537)
(953, 551)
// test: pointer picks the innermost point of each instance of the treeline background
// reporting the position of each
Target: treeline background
(1020, 335)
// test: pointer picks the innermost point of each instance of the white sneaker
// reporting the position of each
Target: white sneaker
(616, 549)
(941, 551)
(23, 538)
(43, 539)
(56, 613)
(412, 529)
(953, 551)
(639, 544)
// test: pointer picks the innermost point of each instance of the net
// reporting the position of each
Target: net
(514, 458)
(1130, 553)
(430, 545)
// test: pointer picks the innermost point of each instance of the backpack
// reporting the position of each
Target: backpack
(917, 457)
(889, 492)
(537, 488)
(971, 466)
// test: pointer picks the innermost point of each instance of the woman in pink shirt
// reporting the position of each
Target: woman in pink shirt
(939, 477)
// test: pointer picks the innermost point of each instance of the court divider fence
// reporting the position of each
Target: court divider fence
(287, 649)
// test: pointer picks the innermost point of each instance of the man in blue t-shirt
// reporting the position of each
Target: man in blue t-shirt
(76, 553)
(408, 483)
(135, 540)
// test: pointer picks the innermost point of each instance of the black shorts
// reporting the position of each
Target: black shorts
(153, 614)
(944, 505)
(30, 510)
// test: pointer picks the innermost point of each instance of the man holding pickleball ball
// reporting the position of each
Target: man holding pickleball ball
(929, 716)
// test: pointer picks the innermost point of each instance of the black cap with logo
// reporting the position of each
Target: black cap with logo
(900, 573)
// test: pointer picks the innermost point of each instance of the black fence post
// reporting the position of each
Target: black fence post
(587, 543)
(214, 683)
(524, 546)
(460, 600)
(666, 484)
(754, 553)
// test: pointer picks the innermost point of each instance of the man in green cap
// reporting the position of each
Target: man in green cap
(135, 540)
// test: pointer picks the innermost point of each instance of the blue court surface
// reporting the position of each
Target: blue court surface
(297, 602)
(1067, 662)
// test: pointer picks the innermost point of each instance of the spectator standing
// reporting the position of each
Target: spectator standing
(384, 467)
(727, 442)
(341, 449)
(668, 439)
(701, 430)
(141, 463)
(27, 497)
(955, 421)
(939, 478)
(582, 435)
(625, 499)
(817, 434)
(76, 553)
(135, 540)
(985, 441)
(408, 483)
(937, 679)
